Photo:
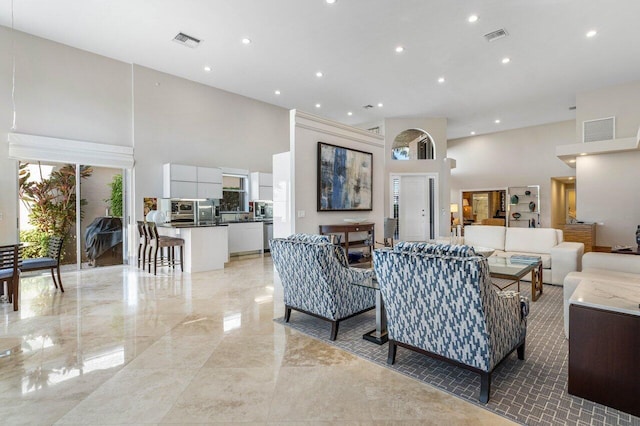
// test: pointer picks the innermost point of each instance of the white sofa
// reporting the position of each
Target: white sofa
(601, 266)
(558, 257)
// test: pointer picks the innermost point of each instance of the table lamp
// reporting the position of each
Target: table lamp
(453, 209)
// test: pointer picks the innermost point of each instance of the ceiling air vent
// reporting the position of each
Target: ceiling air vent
(602, 129)
(495, 35)
(187, 40)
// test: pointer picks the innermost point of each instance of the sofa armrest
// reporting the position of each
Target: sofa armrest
(565, 257)
(612, 262)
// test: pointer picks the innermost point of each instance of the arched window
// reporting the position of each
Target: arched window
(413, 144)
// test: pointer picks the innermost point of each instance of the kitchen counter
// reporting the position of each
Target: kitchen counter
(192, 225)
(206, 247)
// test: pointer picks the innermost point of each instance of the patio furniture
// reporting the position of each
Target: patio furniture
(51, 261)
(10, 263)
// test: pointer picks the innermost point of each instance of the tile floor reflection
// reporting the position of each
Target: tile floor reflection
(121, 346)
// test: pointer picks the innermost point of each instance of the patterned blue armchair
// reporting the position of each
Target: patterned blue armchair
(440, 302)
(318, 281)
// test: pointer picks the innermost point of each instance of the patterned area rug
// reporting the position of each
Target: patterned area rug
(532, 392)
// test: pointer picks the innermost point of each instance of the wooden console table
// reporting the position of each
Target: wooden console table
(580, 233)
(604, 337)
(357, 243)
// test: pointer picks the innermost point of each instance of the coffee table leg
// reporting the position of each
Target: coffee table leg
(536, 283)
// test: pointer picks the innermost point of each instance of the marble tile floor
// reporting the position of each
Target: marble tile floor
(122, 346)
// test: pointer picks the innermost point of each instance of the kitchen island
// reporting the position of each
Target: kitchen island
(206, 247)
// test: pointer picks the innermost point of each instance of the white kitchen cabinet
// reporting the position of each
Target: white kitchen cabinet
(183, 181)
(261, 186)
(209, 190)
(178, 189)
(244, 237)
(209, 175)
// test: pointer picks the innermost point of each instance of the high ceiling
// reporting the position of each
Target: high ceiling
(353, 42)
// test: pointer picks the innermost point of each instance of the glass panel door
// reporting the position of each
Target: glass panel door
(101, 224)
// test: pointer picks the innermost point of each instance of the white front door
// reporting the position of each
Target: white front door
(414, 208)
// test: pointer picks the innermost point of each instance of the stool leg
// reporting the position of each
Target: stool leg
(181, 259)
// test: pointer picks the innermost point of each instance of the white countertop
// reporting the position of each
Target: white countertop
(608, 295)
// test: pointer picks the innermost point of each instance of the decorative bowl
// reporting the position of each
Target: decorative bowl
(355, 220)
(514, 199)
(516, 215)
(484, 251)
(527, 192)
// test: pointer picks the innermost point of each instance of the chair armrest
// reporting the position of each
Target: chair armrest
(514, 298)
(612, 262)
(565, 257)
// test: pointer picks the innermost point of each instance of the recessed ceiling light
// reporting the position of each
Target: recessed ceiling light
(207, 68)
(246, 41)
(583, 153)
(473, 133)
(277, 92)
(319, 74)
(497, 121)
(318, 105)
(570, 177)
(399, 49)
(349, 113)
(330, 1)
(506, 60)
(592, 33)
(441, 80)
(472, 18)
(380, 105)
(572, 160)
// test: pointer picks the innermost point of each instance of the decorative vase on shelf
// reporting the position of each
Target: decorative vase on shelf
(638, 235)
(514, 199)
(527, 193)
(532, 206)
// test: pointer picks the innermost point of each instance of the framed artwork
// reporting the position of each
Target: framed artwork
(345, 178)
(150, 203)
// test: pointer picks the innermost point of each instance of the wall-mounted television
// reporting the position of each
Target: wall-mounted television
(345, 178)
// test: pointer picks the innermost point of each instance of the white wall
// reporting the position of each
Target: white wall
(518, 157)
(60, 92)
(608, 185)
(437, 129)
(306, 131)
(180, 121)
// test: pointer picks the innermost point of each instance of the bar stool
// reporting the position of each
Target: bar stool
(157, 242)
(143, 244)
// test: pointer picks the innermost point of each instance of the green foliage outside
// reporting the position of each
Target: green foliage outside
(115, 202)
(38, 243)
(52, 201)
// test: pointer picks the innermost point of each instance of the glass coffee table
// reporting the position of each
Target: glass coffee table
(502, 267)
(379, 335)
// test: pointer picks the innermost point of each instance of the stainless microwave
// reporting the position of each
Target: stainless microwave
(182, 211)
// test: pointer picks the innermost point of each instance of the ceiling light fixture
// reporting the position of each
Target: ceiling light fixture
(319, 74)
(506, 60)
(349, 113)
(570, 177)
(441, 80)
(399, 49)
(246, 41)
(318, 105)
(572, 160)
(497, 121)
(583, 153)
(207, 68)
(591, 33)
(473, 133)
(330, 1)
(472, 18)
(380, 105)
(277, 92)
